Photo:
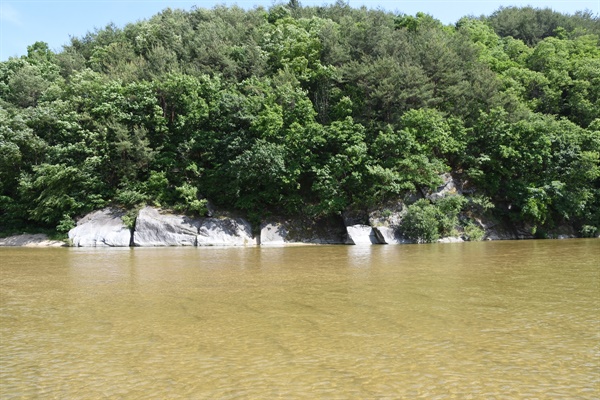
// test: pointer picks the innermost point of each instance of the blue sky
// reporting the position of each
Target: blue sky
(23, 22)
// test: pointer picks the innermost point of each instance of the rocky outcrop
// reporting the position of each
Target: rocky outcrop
(386, 223)
(451, 239)
(499, 230)
(280, 231)
(153, 228)
(274, 234)
(31, 240)
(448, 187)
(102, 228)
(361, 234)
(225, 232)
(389, 235)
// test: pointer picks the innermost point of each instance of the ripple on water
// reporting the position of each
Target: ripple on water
(302, 323)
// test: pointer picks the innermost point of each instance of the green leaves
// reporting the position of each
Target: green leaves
(53, 191)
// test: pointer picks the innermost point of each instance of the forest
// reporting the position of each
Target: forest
(307, 111)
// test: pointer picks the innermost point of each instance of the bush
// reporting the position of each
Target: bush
(449, 207)
(65, 224)
(421, 222)
(189, 200)
(130, 217)
(425, 222)
(130, 197)
(473, 232)
(588, 231)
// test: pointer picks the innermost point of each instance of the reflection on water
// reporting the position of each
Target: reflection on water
(485, 320)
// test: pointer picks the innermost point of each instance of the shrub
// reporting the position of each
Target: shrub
(449, 207)
(189, 199)
(473, 232)
(130, 197)
(421, 222)
(588, 231)
(65, 224)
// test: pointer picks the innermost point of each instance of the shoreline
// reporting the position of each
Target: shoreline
(40, 240)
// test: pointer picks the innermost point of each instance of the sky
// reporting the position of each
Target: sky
(24, 22)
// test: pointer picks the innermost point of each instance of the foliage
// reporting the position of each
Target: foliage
(473, 233)
(426, 222)
(421, 222)
(589, 231)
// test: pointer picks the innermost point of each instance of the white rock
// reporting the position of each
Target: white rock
(361, 234)
(273, 234)
(451, 239)
(102, 228)
(154, 229)
(389, 235)
(225, 232)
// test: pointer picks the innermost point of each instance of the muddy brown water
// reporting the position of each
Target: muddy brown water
(514, 319)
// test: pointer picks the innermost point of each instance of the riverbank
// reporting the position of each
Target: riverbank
(31, 240)
(159, 228)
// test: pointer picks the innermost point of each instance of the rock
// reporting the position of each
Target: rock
(562, 232)
(102, 228)
(31, 240)
(451, 239)
(448, 187)
(225, 232)
(153, 229)
(389, 235)
(361, 234)
(495, 230)
(273, 234)
(355, 217)
(386, 222)
(389, 215)
(279, 231)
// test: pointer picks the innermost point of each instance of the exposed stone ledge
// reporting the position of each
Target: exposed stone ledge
(31, 240)
(101, 228)
(153, 228)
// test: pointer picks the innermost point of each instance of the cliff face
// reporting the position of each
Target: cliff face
(156, 228)
(153, 228)
(102, 228)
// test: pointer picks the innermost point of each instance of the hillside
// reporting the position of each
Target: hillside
(310, 111)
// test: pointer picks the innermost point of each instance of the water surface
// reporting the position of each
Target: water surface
(516, 319)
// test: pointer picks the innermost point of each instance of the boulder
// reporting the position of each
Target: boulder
(102, 228)
(225, 232)
(279, 231)
(498, 230)
(31, 240)
(153, 229)
(562, 232)
(451, 239)
(361, 234)
(386, 221)
(389, 235)
(273, 234)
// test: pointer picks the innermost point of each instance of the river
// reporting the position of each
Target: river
(513, 319)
